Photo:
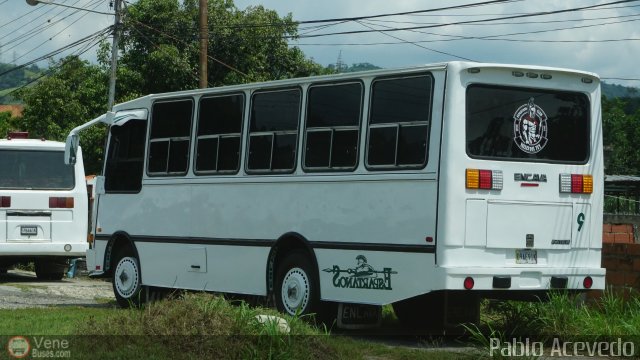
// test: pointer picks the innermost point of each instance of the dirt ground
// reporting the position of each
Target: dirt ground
(21, 289)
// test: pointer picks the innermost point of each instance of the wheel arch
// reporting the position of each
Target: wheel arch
(118, 240)
(285, 244)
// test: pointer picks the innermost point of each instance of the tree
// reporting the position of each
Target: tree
(161, 45)
(73, 94)
(159, 53)
(621, 132)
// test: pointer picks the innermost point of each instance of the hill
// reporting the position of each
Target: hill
(12, 79)
(618, 91)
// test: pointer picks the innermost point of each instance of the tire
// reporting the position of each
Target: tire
(297, 289)
(126, 280)
(49, 270)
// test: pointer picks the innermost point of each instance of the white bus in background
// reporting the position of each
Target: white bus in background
(43, 205)
(426, 188)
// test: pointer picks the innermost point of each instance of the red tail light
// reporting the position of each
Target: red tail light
(483, 179)
(588, 282)
(61, 203)
(468, 283)
(576, 183)
(5, 201)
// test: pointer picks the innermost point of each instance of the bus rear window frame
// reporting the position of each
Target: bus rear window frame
(526, 160)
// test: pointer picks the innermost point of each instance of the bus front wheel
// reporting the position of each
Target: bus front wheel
(296, 289)
(127, 282)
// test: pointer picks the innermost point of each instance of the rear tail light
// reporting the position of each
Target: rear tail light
(587, 282)
(61, 203)
(5, 201)
(468, 283)
(576, 183)
(484, 179)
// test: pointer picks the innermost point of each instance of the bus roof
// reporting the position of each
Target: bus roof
(31, 144)
(460, 65)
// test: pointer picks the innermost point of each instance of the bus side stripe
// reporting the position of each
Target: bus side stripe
(267, 243)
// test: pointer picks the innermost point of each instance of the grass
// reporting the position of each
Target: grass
(562, 318)
(206, 326)
(196, 326)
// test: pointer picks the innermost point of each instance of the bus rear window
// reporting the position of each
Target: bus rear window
(35, 170)
(527, 124)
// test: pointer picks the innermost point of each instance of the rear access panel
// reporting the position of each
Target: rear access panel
(535, 225)
(25, 226)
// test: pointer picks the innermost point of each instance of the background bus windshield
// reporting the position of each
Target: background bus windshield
(527, 124)
(37, 170)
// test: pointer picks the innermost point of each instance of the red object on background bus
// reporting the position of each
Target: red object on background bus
(18, 135)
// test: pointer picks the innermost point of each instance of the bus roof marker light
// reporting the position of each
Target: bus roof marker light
(587, 80)
(473, 70)
(517, 73)
(531, 75)
(546, 76)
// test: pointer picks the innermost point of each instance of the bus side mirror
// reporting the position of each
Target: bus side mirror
(71, 148)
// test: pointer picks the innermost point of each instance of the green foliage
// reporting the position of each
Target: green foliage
(621, 132)
(14, 78)
(161, 47)
(73, 94)
(7, 123)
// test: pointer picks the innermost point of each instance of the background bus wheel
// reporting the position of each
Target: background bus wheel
(127, 283)
(296, 289)
(49, 269)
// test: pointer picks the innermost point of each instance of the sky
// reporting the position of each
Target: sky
(602, 39)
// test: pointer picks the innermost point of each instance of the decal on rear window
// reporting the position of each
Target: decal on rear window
(530, 128)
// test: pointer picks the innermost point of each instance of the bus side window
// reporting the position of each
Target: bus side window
(124, 167)
(219, 133)
(332, 127)
(169, 142)
(399, 122)
(273, 131)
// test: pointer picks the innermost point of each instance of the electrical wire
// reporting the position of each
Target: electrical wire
(543, 13)
(418, 45)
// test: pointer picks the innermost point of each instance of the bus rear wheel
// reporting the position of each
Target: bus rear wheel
(49, 269)
(297, 288)
(127, 282)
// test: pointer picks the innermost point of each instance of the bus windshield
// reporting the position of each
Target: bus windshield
(520, 124)
(35, 170)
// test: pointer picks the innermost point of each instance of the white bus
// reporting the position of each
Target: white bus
(43, 206)
(419, 187)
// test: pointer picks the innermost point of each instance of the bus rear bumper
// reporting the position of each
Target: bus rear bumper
(71, 250)
(522, 278)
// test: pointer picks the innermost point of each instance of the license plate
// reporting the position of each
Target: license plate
(28, 230)
(526, 256)
(359, 316)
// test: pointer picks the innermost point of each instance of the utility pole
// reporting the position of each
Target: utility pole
(114, 56)
(204, 43)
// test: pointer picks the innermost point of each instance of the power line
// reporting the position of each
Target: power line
(415, 44)
(544, 13)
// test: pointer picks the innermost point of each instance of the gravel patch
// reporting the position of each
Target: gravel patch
(21, 289)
